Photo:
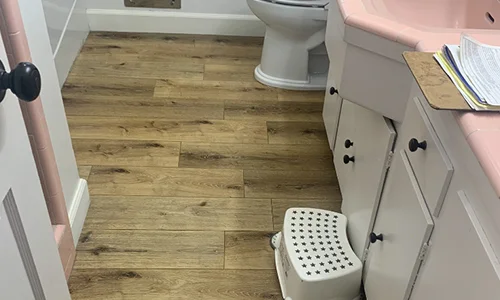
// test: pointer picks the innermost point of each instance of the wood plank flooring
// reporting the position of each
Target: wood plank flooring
(191, 166)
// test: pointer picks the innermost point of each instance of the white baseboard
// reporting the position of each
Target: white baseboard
(134, 20)
(74, 35)
(79, 208)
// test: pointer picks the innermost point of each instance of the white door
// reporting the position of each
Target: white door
(405, 225)
(368, 138)
(30, 267)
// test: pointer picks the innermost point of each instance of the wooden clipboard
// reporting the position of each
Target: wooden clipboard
(436, 86)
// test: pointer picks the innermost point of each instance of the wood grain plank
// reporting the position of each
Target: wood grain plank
(140, 284)
(194, 46)
(301, 96)
(149, 47)
(151, 249)
(230, 90)
(293, 133)
(217, 41)
(150, 54)
(153, 4)
(139, 69)
(229, 59)
(293, 184)
(154, 213)
(229, 72)
(172, 109)
(174, 182)
(126, 153)
(79, 87)
(273, 111)
(164, 55)
(259, 157)
(137, 40)
(280, 206)
(84, 171)
(232, 49)
(220, 131)
(248, 250)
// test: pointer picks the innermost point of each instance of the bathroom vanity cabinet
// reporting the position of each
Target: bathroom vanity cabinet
(422, 214)
(417, 205)
(420, 209)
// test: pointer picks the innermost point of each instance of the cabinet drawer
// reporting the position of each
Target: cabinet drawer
(371, 138)
(431, 165)
(460, 264)
(406, 225)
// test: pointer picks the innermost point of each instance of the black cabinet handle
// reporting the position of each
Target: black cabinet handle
(414, 145)
(348, 143)
(374, 237)
(348, 159)
(24, 81)
(333, 91)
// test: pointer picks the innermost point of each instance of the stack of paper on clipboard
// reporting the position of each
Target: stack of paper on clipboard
(474, 68)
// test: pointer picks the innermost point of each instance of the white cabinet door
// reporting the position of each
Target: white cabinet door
(336, 51)
(345, 132)
(406, 225)
(30, 267)
(461, 264)
(331, 115)
(372, 137)
(431, 165)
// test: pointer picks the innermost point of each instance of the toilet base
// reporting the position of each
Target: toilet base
(316, 82)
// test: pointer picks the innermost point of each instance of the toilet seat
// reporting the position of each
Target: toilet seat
(301, 3)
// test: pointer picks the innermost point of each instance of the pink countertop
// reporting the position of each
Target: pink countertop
(482, 130)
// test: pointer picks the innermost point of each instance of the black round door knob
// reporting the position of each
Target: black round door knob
(414, 145)
(24, 81)
(333, 91)
(374, 237)
(348, 159)
(348, 143)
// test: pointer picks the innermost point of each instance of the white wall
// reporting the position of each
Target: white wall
(195, 6)
(68, 28)
(225, 17)
(57, 13)
(74, 189)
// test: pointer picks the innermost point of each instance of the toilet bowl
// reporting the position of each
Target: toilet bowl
(294, 54)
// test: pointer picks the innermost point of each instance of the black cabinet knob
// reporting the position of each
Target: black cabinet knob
(414, 145)
(348, 143)
(348, 159)
(333, 91)
(24, 81)
(374, 237)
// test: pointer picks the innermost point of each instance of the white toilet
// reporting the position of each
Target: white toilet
(294, 54)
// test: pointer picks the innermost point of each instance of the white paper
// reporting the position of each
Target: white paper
(455, 54)
(466, 97)
(481, 64)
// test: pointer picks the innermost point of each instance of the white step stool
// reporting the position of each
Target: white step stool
(313, 257)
